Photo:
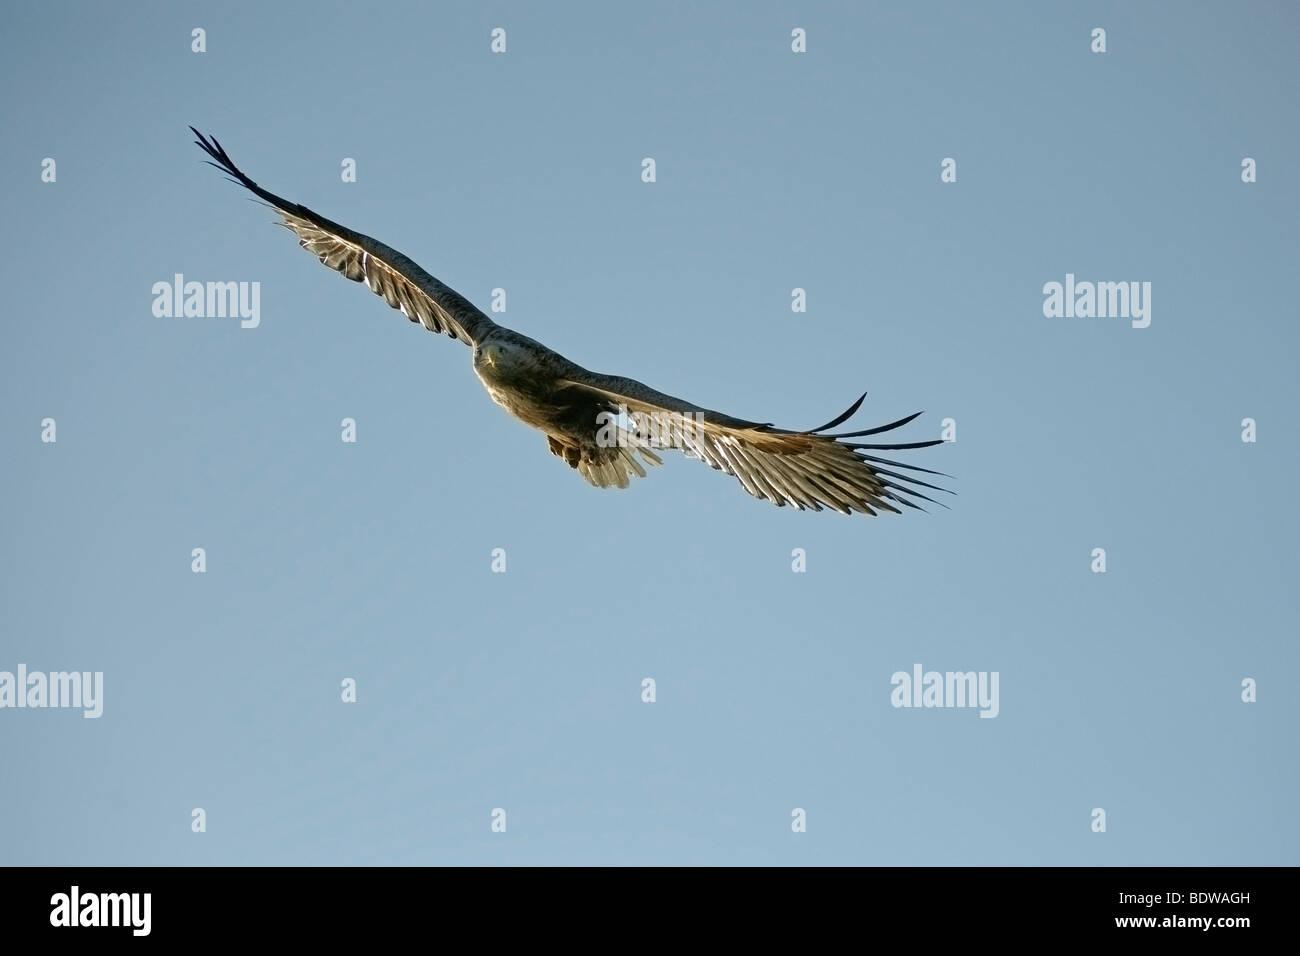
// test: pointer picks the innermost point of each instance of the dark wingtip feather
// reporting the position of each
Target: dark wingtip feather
(898, 464)
(212, 146)
(879, 428)
(907, 444)
(843, 417)
(912, 481)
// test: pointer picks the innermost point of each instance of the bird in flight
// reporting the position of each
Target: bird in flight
(606, 426)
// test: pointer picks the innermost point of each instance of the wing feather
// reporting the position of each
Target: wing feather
(386, 272)
(810, 470)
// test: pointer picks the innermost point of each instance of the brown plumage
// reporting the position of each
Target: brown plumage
(605, 426)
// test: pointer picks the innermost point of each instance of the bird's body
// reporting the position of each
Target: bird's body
(608, 427)
(535, 384)
(521, 376)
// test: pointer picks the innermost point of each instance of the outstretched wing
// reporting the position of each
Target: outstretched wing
(807, 469)
(388, 273)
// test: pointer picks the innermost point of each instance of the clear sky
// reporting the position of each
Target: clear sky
(522, 690)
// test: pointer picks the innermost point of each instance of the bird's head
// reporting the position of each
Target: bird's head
(497, 359)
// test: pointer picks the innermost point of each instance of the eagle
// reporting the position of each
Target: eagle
(607, 427)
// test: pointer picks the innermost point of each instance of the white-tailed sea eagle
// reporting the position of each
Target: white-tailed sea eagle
(600, 424)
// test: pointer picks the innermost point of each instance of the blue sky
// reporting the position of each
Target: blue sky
(775, 170)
